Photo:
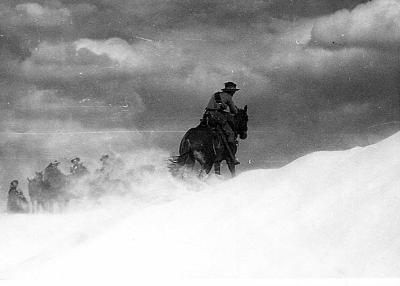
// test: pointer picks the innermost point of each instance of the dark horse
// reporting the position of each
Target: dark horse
(206, 146)
(47, 188)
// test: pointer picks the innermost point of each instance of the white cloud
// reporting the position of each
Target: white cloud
(43, 101)
(116, 49)
(373, 24)
(64, 61)
(36, 15)
(96, 58)
(82, 9)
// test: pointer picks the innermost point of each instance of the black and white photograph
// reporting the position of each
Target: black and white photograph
(202, 142)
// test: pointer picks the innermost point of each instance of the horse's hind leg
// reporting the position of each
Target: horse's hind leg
(205, 166)
(45, 205)
(188, 165)
(35, 206)
(50, 206)
(208, 167)
(40, 206)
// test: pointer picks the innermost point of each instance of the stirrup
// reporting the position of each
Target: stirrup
(234, 162)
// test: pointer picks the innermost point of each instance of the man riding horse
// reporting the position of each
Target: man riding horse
(217, 117)
(214, 139)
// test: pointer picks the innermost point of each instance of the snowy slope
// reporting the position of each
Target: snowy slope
(328, 214)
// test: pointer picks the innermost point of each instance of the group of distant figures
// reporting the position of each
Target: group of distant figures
(51, 187)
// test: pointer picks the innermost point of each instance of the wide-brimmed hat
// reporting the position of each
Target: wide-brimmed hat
(75, 159)
(14, 181)
(230, 86)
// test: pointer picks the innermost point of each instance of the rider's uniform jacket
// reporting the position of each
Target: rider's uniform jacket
(226, 102)
(16, 200)
(78, 169)
(217, 107)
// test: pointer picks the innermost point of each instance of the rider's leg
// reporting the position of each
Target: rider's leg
(230, 136)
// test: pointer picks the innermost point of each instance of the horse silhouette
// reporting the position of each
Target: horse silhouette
(48, 188)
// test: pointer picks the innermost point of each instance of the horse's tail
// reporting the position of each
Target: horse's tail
(185, 153)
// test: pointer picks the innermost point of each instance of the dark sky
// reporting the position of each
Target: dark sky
(315, 74)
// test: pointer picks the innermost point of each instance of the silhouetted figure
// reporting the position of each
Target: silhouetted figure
(77, 169)
(105, 163)
(17, 203)
(55, 186)
(109, 165)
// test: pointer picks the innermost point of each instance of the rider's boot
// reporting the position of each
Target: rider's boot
(235, 161)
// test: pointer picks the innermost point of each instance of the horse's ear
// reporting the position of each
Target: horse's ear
(245, 108)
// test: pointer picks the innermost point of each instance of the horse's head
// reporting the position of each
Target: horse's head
(241, 119)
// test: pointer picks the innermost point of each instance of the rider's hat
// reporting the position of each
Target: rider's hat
(104, 157)
(14, 181)
(55, 162)
(75, 159)
(230, 86)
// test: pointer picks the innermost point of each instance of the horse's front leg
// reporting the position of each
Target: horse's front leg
(205, 169)
(51, 205)
(217, 168)
(208, 168)
(232, 169)
(34, 204)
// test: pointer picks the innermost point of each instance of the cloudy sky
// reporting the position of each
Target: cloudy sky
(315, 74)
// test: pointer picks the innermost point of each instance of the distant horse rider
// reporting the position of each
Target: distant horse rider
(105, 163)
(77, 168)
(17, 203)
(217, 114)
(53, 165)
